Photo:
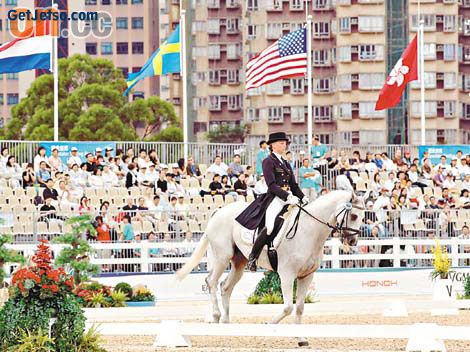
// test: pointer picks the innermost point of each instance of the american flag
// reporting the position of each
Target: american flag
(286, 58)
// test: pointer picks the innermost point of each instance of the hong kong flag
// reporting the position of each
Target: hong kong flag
(405, 70)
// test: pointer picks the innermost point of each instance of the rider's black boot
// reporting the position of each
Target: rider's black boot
(260, 242)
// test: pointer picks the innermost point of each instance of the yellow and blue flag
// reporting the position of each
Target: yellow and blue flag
(163, 61)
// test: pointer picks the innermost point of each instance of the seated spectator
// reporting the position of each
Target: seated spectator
(141, 162)
(466, 182)
(378, 161)
(250, 177)
(318, 151)
(42, 175)
(215, 186)
(356, 161)
(131, 177)
(153, 252)
(464, 199)
(108, 153)
(102, 230)
(90, 163)
(439, 177)
(192, 170)
(96, 181)
(406, 159)
(465, 235)
(55, 162)
(142, 207)
(370, 165)
(143, 178)
(447, 197)
(49, 191)
(84, 207)
(388, 184)
(181, 207)
(40, 157)
(383, 201)
(162, 184)
(240, 185)
(13, 172)
(236, 169)
(226, 184)
(449, 182)
(218, 167)
(443, 165)
(188, 240)
(74, 158)
(109, 178)
(152, 174)
(64, 197)
(130, 208)
(154, 157)
(415, 177)
(463, 168)
(48, 212)
(172, 187)
(4, 154)
(29, 177)
(100, 162)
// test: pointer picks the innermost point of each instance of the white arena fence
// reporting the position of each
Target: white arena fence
(157, 257)
(204, 153)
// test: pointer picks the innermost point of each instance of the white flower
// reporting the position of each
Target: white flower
(398, 74)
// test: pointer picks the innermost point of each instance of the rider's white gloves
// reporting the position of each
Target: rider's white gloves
(292, 200)
(305, 200)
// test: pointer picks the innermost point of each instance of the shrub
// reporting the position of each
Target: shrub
(118, 298)
(125, 288)
(466, 287)
(93, 294)
(253, 299)
(271, 298)
(143, 294)
(90, 341)
(33, 342)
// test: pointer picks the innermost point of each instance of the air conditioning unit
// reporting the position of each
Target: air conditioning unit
(354, 20)
(355, 107)
(439, 18)
(440, 47)
(440, 104)
(354, 49)
(355, 77)
(440, 76)
(448, 1)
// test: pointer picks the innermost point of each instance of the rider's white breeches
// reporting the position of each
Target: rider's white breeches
(272, 212)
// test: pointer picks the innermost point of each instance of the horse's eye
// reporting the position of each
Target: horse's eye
(354, 217)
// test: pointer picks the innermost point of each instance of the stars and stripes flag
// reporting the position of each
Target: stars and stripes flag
(285, 58)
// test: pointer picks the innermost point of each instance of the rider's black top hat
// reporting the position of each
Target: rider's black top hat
(277, 136)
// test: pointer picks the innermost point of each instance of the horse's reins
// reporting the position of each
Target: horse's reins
(338, 228)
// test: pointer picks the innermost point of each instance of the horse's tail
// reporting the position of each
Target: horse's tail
(194, 259)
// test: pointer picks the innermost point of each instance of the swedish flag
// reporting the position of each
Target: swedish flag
(165, 60)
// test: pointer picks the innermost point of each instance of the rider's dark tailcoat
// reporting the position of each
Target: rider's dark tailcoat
(279, 179)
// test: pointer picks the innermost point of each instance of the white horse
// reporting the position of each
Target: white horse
(299, 257)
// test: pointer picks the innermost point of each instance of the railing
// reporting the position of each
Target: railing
(155, 257)
(204, 153)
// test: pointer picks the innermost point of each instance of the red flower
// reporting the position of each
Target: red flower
(55, 288)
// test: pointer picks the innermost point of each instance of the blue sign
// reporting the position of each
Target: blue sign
(436, 151)
(83, 148)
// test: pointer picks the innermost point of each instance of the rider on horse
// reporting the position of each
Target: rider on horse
(264, 213)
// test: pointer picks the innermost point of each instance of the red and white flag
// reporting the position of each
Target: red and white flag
(285, 58)
(405, 70)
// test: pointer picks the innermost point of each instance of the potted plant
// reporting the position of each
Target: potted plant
(442, 288)
(142, 297)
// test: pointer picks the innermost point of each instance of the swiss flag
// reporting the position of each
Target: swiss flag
(405, 70)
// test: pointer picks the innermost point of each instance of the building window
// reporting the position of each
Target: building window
(252, 114)
(322, 85)
(275, 114)
(213, 4)
(344, 111)
(429, 81)
(214, 77)
(213, 26)
(12, 76)
(214, 103)
(297, 86)
(137, 48)
(233, 76)
(371, 80)
(275, 88)
(12, 99)
(137, 22)
(252, 5)
(2, 101)
(430, 108)
(465, 83)
(321, 4)
(122, 48)
(344, 82)
(450, 109)
(429, 51)
(213, 52)
(371, 24)
(449, 52)
(367, 110)
(465, 111)
(344, 54)
(137, 2)
(233, 25)
(252, 31)
(121, 2)
(449, 23)
(371, 52)
(125, 71)
(345, 25)
(234, 102)
(11, 2)
(90, 2)
(321, 57)
(91, 48)
(450, 80)
(296, 5)
(429, 22)
(322, 113)
(105, 2)
(321, 29)
(274, 30)
(106, 48)
(121, 23)
(297, 114)
(233, 51)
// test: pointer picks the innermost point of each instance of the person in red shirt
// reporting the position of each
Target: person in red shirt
(102, 230)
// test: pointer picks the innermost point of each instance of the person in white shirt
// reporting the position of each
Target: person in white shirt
(388, 164)
(188, 240)
(152, 174)
(41, 156)
(466, 182)
(4, 156)
(449, 182)
(110, 179)
(390, 182)
(218, 167)
(383, 201)
(141, 162)
(443, 164)
(55, 162)
(65, 197)
(143, 178)
(74, 159)
(463, 168)
(13, 172)
(96, 181)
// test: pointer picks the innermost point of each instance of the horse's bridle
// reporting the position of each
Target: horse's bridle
(340, 226)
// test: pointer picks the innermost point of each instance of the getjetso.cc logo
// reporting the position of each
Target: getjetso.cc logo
(24, 23)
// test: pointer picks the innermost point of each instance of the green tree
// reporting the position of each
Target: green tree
(77, 254)
(91, 106)
(227, 134)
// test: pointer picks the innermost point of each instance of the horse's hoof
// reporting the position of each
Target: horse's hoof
(303, 343)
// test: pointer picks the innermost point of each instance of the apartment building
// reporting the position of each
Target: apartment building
(464, 71)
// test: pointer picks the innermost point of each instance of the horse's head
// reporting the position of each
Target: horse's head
(349, 217)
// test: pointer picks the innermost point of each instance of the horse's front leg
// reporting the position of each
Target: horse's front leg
(287, 285)
(302, 289)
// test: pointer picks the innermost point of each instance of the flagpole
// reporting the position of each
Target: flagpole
(309, 81)
(56, 80)
(421, 73)
(185, 82)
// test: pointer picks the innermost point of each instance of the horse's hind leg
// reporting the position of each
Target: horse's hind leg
(302, 288)
(226, 287)
(212, 280)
